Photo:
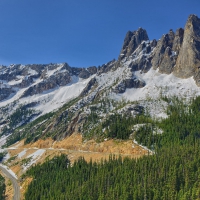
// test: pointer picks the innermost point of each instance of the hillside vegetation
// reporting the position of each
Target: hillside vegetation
(2, 187)
(171, 173)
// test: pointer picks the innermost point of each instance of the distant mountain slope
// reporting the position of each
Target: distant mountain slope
(78, 99)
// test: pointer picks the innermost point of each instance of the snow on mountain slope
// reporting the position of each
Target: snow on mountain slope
(42, 88)
(52, 99)
(162, 84)
(131, 79)
(56, 98)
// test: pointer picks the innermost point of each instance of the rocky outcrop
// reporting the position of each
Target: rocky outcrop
(120, 88)
(134, 83)
(92, 70)
(84, 74)
(178, 40)
(128, 83)
(106, 67)
(6, 92)
(86, 90)
(163, 56)
(168, 61)
(132, 109)
(132, 41)
(52, 82)
(141, 58)
(26, 81)
(188, 62)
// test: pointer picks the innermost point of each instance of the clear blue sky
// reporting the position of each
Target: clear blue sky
(82, 32)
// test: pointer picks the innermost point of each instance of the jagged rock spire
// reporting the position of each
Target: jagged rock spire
(188, 62)
(132, 41)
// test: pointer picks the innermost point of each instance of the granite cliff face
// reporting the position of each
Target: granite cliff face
(163, 58)
(188, 62)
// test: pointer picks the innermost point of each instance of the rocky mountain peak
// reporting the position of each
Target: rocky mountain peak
(163, 54)
(178, 40)
(188, 62)
(132, 41)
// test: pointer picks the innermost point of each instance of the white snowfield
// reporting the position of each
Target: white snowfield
(34, 157)
(22, 153)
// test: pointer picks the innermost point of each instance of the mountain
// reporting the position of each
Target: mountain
(56, 100)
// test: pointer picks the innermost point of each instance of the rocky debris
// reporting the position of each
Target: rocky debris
(132, 41)
(128, 83)
(91, 83)
(188, 62)
(6, 92)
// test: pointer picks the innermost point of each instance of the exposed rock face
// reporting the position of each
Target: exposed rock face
(120, 88)
(89, 86)
(178, 40)
(142, 56)
(168, 61)
(5, 93)
(132, 41)
(84, 74)
(128, 83)
(134, 83)
(163, 56)
(53, 81)
(106, 67)
(92, 70)
(133, 109)
(188, 62)
(27, 81)
(48, 76)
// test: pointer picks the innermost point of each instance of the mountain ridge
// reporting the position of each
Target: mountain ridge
(144, 70)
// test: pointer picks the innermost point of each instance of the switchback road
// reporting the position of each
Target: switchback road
(14, 182)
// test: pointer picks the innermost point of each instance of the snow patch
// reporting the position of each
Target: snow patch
(22, 153)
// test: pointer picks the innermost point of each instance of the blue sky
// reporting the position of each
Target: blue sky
(82, 32)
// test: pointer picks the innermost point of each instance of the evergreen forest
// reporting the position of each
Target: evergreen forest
(2, 187)
(171, 173)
